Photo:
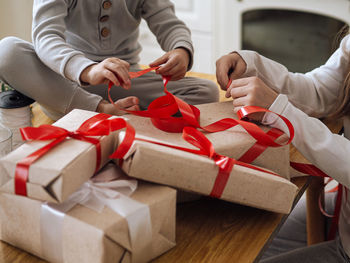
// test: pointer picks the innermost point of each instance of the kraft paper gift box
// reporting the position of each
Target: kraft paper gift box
(85, 235)
(206, 172)
(194, 173)
(61, 171)
(232, 143)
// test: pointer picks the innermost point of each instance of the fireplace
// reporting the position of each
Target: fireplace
(298, 34)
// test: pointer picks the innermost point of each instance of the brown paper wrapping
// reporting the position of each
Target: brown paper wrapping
(196, 173)
(232, 143)
(89, 236)
(63, 169)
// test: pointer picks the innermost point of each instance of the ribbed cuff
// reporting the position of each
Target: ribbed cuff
(248, 57)
(75, 67)
(278, 106)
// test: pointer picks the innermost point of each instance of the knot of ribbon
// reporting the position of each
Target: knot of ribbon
(97, 195)
(161, 111)
(98, 125)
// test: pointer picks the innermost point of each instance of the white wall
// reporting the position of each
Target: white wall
(16, 18)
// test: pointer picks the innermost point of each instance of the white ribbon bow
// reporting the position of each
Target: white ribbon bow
(96, 196)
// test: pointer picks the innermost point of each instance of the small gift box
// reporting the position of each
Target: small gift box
(235, 142)
(206, 172)
(58, 159)
(109, 221)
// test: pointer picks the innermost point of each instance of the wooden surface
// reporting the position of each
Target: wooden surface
(207, 230)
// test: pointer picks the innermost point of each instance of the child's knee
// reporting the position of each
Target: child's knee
(10, 53)
(209, 91)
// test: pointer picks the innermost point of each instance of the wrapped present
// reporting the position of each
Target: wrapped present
(102, 222)
(234, 142)
(206, 172)
(58, 159)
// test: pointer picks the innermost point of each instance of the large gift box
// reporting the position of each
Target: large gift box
(127, 226)
(233, 143)
(195, 173)
(153, 158)
(60, 171)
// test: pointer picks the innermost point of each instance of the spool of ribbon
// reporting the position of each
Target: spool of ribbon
(15, 113)
(96, 195)
(98, 125)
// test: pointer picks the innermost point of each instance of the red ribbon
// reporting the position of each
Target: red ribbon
(162, 109)
(312, 170)
(97, 125)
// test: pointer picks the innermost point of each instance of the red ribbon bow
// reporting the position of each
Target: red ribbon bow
(98, 125)
(206, 148)
(225, 164)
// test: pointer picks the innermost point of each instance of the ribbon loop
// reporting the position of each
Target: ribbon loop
(98, 125)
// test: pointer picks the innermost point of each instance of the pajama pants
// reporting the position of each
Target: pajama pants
(22, 69)
(290, 244)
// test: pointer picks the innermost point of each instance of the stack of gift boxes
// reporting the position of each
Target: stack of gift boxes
(62, 207)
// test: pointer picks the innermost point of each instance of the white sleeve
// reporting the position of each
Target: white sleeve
(315, 92)
(49, 41)
(328, 151)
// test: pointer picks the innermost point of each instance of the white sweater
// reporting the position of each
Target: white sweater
(312, 94)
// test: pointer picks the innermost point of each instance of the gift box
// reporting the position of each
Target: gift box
(60, 171)
(209, 173)
(133, 227)
(234, 142)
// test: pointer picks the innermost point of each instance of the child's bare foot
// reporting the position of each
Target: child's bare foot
(129, 103)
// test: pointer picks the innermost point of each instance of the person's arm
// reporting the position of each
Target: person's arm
(315, 92)
(326, 150)
(171, 33)
(48, 30)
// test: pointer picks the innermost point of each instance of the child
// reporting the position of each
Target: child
(302, 98)
(79, 46)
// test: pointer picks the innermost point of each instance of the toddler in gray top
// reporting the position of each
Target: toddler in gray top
(79, 46)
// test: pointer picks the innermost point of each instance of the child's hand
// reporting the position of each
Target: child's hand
(129, 103)
(251, 92)
(110, 69)
(173, 63)
(230, 66)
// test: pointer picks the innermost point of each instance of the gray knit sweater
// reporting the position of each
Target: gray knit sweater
(69, 35)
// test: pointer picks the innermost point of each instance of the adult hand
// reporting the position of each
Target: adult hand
(110, 69)
(231, 66)
(251, 91)
(128, 103)
(173, 63)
